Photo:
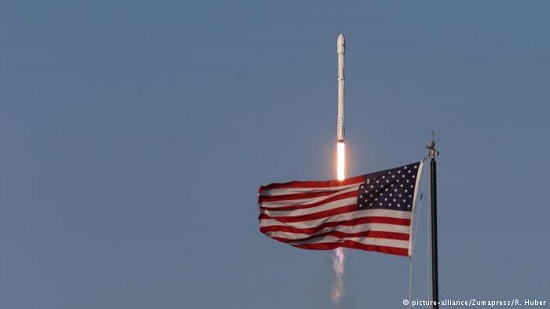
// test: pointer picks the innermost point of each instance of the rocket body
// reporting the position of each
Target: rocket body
(340, 145)
(340, 50)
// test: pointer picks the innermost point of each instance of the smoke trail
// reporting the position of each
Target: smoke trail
(338, 265)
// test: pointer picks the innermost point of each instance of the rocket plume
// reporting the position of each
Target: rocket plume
(338, 265)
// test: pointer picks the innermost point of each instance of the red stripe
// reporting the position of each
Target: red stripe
(311, 205)
(313, 216)
(294, 196)
(351, 222)
(355, 245)
(312, 184)
(344, 235)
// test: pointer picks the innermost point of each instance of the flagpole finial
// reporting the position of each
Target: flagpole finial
(432, 152)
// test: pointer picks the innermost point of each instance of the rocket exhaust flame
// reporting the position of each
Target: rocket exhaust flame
(341, 161)
(338, 264)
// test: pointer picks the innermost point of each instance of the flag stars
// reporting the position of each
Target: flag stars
(391, 191)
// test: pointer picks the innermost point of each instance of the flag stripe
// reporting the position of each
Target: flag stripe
(354, 245)
(292, 202)
(282, 230)
(343, 201)
(289, 237)
(360, 240)
(356, 217)
(306, 186)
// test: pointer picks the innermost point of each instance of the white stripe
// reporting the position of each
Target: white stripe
(287, 191)
(398, 214)
(404, 244)
(305, 201)
(378, 227)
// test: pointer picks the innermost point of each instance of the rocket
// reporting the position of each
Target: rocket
(340, 50)
(340, 145)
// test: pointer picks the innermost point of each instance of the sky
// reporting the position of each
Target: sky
(135, 135)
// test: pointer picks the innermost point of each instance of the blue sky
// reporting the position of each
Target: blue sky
(135, 135)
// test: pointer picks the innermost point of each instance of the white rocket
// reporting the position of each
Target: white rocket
(340, 50)
(340, 145)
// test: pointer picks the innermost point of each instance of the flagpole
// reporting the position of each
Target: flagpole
(432, 152)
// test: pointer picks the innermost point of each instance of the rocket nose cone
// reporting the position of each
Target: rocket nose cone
(341, 44)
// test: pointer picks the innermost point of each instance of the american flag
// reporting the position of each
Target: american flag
(371, 212)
